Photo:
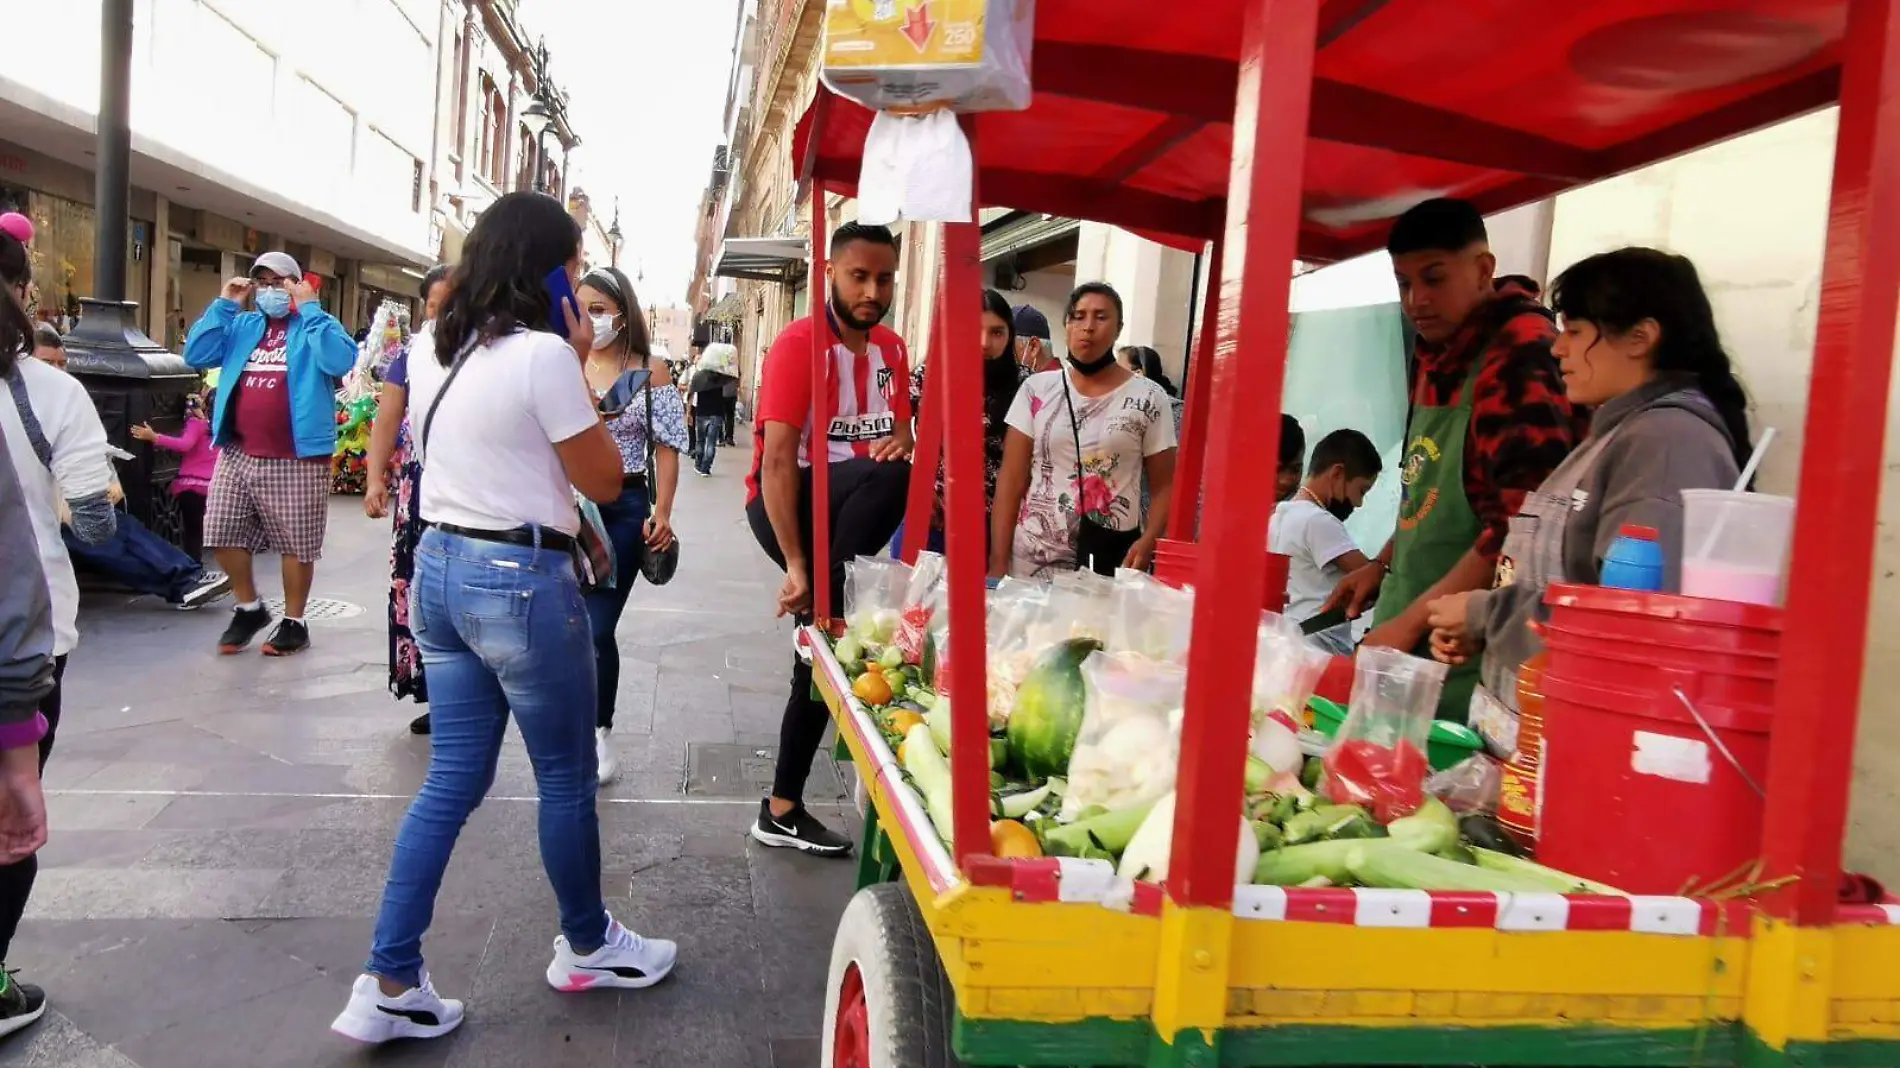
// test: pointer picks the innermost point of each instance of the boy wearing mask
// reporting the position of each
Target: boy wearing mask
(1309, 529)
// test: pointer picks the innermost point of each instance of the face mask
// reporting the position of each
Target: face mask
(605, 332)
(1093, 367)
(274, 303)
(1341, 509)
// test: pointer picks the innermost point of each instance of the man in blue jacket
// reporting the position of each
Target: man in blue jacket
(275, 427)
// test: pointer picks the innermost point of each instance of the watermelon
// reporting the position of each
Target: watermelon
(1047, 713)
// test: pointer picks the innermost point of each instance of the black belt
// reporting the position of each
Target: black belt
(523, 536)
(633, 480)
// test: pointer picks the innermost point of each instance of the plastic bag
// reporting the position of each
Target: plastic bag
(1015, 609)
(1130, 740)
(923, 597)
(1079, 605)
(873, 598)
(1286, 669)
(1469, 786)
(1378, 758)
(908, 55)
(1149, 618)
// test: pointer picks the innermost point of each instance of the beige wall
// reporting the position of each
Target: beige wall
(1752, 213)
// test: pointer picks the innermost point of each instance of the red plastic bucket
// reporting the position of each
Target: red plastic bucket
(1635, 792)
(1175, 563)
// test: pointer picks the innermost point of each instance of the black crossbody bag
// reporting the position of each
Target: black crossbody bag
(1098, 548)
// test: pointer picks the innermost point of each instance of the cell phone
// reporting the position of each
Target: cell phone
(560, 295)
(1324, 621)
(620, 395)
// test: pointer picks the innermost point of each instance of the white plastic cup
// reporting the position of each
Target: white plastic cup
(1735, 545)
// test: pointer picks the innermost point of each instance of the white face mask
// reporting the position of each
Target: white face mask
(605, 332)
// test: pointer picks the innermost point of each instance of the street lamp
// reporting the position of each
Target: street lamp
(537, 118)
(614, 236)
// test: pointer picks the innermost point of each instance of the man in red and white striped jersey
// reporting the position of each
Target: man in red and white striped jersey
(867, 445)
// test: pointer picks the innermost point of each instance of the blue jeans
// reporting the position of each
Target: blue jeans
(500, 627)
(706, 445)
(138, 559)
(625, 520)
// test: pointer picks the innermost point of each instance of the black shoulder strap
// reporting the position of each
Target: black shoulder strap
(35, 434)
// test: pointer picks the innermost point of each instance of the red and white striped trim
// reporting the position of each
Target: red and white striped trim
(1071, 881)
(904, 807)
(1867, 915)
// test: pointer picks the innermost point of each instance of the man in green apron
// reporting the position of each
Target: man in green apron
(1488, 422)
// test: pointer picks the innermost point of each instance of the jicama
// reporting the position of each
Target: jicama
(1148, 854)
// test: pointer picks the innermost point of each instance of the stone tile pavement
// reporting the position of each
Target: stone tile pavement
(221, 827)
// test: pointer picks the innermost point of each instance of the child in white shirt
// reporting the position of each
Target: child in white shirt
(1309, 529)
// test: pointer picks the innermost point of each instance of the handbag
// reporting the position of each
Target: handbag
(1098, 548)
(657, 566)
(592, 553)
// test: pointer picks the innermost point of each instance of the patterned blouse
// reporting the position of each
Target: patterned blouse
(629, 429)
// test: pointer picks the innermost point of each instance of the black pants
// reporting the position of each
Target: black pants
(16, 879)
(867, 504)
(732, 419)
(191, 513)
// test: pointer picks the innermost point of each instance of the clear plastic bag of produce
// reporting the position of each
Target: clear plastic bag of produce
(906, 55)
(873, 599)
(1130, 738)
(923, 596)
(1469, 786)
(1015, 610)
(1079, 605)
(1286, 669)
(1149, 618)
(1378, 758)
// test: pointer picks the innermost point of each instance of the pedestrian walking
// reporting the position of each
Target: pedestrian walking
(729, 395)
(508, 432)
(867, 446)
(275, 424)
(649, 427)
(198, 461)
(394, 481)
(57, 466)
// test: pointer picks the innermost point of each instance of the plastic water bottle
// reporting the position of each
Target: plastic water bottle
(1635, 560)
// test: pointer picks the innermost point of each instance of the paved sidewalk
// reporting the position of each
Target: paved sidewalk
(221, 827)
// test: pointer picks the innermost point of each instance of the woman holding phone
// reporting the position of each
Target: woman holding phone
(651, 420)
(508, 430)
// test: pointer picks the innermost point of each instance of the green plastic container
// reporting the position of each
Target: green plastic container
(1448, 744)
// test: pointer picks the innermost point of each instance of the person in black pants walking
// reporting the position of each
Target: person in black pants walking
(867, 447)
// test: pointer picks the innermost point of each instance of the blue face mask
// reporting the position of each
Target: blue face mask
(274, 303)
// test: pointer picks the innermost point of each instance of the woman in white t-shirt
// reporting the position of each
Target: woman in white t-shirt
(508, 430)
(1080, 439)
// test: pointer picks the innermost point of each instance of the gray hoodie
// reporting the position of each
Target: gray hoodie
(26, 617)
(1664, 445)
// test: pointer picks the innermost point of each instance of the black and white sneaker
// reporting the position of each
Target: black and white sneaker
(798, 829)
(246, 624)
(627, 962)
(290, 638)
(419, 725)
(211, 586)
(20, 1003)
(375, 1017)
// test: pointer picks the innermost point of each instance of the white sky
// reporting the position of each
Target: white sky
(646, 85)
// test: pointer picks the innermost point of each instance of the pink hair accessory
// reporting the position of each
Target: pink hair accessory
(18, 226)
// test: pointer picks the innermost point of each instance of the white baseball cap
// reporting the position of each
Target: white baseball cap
(281, 262)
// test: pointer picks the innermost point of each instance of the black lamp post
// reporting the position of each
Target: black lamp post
(132, 379)
(539, 115)
(615, 237)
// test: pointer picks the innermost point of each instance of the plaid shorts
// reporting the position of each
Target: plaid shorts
(268, 505)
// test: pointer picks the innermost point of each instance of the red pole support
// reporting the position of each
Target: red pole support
(1246, 375)
(1184, 512)
(1824, 636)
(822, 401)
(923, 470)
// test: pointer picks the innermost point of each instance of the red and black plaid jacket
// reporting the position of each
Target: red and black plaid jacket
(1522, 425)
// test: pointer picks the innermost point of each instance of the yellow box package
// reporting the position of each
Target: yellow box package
(919, 55)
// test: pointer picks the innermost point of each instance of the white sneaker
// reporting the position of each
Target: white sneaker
(375, 1018)
(604, 754)
(627, 961)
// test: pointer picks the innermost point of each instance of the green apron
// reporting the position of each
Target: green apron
(1437, 526)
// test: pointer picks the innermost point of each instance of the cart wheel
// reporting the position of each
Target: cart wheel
(888, 1003)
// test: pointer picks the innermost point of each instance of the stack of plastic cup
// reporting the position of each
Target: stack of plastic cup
(1735, 545)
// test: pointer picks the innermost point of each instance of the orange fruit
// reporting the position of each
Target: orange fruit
(1009, 838)
(872, 689)
(902, 720)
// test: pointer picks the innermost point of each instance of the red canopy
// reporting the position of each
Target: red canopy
(1496, 101)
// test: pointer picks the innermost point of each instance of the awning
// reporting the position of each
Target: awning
(762, 259)
(1027, 231)
(728, 309)
(1131, 123)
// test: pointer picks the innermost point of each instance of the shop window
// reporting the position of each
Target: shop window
(492, 155)
(415, 189)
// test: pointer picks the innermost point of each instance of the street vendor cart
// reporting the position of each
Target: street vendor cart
(1284, 129)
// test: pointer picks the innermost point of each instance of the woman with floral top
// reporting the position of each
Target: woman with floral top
(642, 518)
(1002, 377)
(1080, 439)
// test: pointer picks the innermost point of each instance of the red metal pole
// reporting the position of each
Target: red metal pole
(1186, 507)
(964, 505)
(1246, 375)
(1823, 644)
(923, 470)
(818, 300)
